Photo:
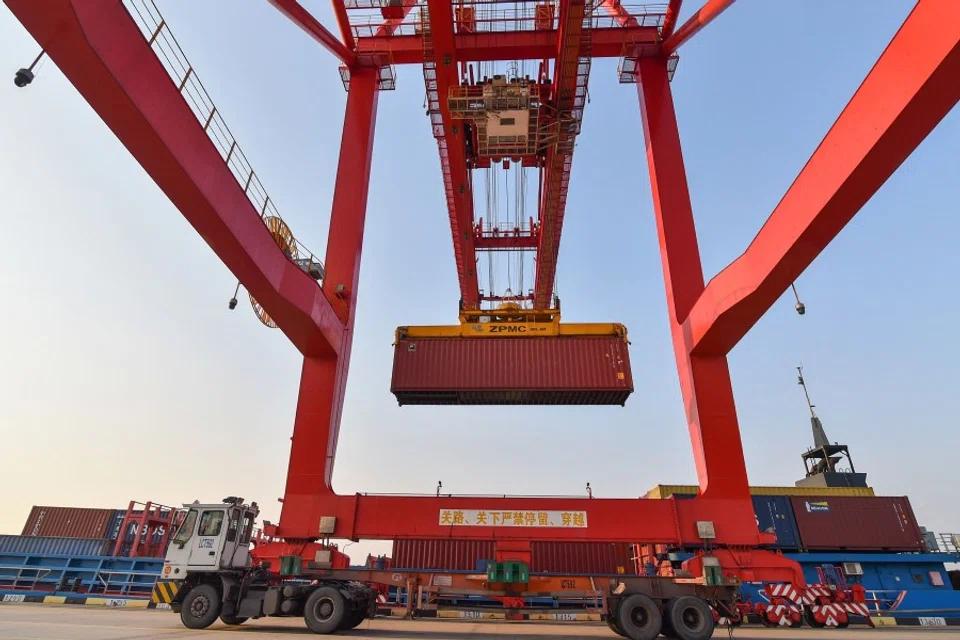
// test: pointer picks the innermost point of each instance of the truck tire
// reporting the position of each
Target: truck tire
(201, 606)
(690, 618)
(639, 617)
(233, 620)
(353, 620)
(324, 610)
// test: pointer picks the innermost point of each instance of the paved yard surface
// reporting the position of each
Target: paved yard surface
(69, 622)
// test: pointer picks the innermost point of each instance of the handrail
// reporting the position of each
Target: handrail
(168, 51)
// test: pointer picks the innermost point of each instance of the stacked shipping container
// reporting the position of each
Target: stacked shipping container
(68, 522)
(801, 523)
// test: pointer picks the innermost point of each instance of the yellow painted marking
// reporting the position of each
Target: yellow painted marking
(54, 599)
(884, 622)
(471, 615)
(96, 602)
(136, 604)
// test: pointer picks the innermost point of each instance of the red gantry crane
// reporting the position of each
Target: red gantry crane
(488, 114)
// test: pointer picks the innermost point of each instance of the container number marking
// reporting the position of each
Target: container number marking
(13, 598)
(569, 617)
(471, 614)
(116, 602)
(933, 622)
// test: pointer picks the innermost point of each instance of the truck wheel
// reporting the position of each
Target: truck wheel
(233, 620)
(201, 607)
(690, 618)
(353, 620)
(324, 610)
(639, 617)
(612, 623)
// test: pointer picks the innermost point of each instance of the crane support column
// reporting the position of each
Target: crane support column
(704, 382)
(323, 380)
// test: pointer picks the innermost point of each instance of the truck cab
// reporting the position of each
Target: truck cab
(213, 537)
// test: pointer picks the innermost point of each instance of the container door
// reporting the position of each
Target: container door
(207, 544)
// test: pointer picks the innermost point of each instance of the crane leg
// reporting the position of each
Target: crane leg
(323, 380)
(705, 382)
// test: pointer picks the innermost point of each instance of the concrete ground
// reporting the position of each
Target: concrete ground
(77, 622)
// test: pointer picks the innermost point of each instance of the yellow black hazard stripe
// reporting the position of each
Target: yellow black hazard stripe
(165, 591)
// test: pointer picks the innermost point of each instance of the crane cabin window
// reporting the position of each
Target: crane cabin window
(210, 523)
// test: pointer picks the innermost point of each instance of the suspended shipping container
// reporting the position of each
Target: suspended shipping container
(54, 546)
(511, 371)
(582, 558)
(856, 524)
(666, 490)
(67, 522)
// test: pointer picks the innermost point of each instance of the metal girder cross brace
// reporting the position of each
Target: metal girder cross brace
(913, 85)
(910, 89)
(101, 51)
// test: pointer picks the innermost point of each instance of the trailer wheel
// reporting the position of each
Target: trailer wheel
(690, 618)
(324, 610)
(201, 606)
(639, 617)
(233, 620)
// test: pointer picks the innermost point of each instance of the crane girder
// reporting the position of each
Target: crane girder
(571, 74)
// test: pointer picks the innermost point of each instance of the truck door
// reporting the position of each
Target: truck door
(234, 551)
(206, 546)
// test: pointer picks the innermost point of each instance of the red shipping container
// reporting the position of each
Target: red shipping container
(582, 558)
(579, 558)
(443, 555)
(555, 370)
(67, 522)
(856, 523)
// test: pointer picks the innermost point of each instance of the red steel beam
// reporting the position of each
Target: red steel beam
(305, 20)
(453, 155)
(506, 242)
(913, 85)
(616, 11)
(510, 45)
(343, 23)
(670, 19)
(571, 74)
(102, 52)
(704, 16)
(323, 379)
(704, 381)
(390, 24)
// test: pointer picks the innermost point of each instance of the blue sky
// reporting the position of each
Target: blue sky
(124, 375)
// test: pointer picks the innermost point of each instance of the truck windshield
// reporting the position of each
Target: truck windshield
(186, 529)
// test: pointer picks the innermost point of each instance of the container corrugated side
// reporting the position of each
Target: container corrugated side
(113, 524)
(775, 515)
(666, 490)
(582, 558)
(554, 370)
(67, 522)
(858, 524)
(37, 545)
(444, 555)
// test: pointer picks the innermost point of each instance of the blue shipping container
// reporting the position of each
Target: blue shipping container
(113, 524)
(54, 546)
(775, 515)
